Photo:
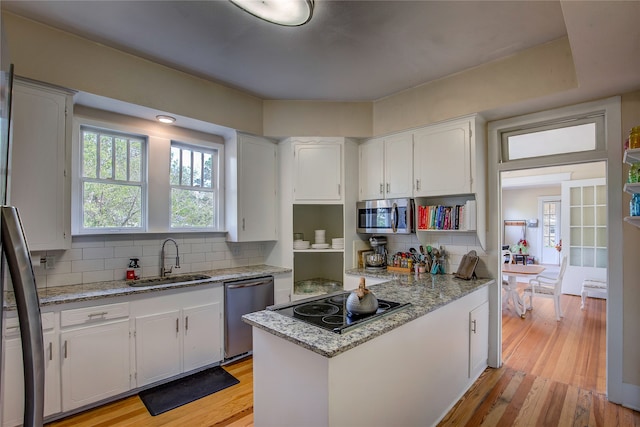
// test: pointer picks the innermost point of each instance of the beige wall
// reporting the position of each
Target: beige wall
(42, 53)
(534, 73)
(309, 118)
(631, 266)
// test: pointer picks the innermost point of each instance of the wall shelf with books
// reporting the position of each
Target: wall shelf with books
(446, 214)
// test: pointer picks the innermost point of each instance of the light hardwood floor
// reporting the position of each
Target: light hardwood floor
(553, 375)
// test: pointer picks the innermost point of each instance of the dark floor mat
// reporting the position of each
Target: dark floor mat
(176, 393)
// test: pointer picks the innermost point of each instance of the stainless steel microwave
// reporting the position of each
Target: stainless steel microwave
(393, 216)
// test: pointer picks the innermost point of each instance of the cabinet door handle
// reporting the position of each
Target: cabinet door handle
(65, 349)
(50, 350)
(242, 224)
(99, 314)
(186, 324)
(473, 326)
(417, 184)
(177, 326)
(388, 188)
(381, 188)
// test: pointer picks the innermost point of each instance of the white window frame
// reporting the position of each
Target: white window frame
(158, 154)
(216, 188)
(78, 180)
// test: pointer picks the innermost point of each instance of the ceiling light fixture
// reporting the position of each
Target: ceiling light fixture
(291, 13)
(165, 119)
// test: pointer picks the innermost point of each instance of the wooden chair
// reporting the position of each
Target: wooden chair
(547, 287)
(592, 286)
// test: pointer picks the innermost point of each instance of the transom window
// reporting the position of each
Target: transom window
(573, 135)
(113, 183)
(194, 172)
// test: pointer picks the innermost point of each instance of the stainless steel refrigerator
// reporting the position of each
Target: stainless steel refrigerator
(15, 251)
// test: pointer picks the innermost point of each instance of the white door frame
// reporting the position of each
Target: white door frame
(612, 154)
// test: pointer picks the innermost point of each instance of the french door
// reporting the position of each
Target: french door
(584, 231)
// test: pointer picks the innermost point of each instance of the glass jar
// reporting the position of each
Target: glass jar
(634, 137)
(634, 173)
(634, 205)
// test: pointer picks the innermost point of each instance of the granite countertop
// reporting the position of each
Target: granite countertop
(99, 290)
(425, 293)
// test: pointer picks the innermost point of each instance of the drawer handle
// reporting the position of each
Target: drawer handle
(13, 327)
(100, 314)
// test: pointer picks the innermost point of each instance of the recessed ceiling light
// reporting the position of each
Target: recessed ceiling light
(290, 13)
(165, 119)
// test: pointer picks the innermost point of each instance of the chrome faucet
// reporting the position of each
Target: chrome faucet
(164, 271)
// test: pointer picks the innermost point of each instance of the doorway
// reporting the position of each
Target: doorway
(605, 116)
(540, 200)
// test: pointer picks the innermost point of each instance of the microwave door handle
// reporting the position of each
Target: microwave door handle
(394, 218)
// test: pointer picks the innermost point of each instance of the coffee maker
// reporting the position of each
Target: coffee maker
(378, 260)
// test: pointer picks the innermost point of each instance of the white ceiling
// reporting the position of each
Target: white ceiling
(356, 50)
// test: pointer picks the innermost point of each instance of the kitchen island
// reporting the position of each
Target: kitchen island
(407, 368)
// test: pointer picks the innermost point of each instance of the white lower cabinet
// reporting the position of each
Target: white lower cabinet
(478, 339)
(95, 352)
(177, 333)
(157, 346)
(95, 360)
(282, 288)
(13, 381)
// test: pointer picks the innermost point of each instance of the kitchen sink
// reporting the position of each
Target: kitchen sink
(182, 279)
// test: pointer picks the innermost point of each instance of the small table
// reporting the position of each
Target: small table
(513, 271)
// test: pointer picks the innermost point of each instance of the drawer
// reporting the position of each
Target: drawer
(95, 314)
(12, 325)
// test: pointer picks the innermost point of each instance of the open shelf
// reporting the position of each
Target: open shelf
(632, 155)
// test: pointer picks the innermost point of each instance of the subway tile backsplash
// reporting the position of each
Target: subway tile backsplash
(455, 245)
(106, 257)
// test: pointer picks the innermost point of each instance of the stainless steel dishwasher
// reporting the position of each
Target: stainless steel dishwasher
(242, 297)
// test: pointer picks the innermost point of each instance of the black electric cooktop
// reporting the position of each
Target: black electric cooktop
(329, 312)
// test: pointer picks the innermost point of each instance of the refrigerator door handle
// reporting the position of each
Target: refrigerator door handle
(14, 246)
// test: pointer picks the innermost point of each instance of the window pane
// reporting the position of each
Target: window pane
(197, 169)
(135, 161)
(89, 154)
(570, 139)
(106, 161)
(185, 179)
(207, 171)
(121, 158)
(111, 205)
(174, 174)
(191, 208)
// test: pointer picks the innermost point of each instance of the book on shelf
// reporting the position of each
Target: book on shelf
(443, 217)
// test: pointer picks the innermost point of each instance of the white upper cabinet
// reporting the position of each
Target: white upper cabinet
(40, 186)
(398, 173)
(386, 170)
(371, 159)
(317, 170)
(442, 161)
(251, 198)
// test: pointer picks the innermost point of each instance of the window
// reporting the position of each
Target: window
(194, 172)
(549, 212)
(574, 135)
(112, 180)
